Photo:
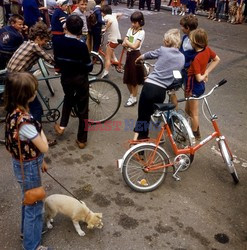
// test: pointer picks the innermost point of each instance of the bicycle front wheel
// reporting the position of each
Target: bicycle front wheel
(98, 64)
(45, 73)
(228, 160)
(135, 165)
(104, 100)
(182, 133)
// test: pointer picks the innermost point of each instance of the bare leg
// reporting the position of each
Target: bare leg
(193, 106)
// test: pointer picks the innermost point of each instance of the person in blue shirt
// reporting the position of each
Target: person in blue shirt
(31, 12)
(59, 17)
(96, 29)
(73, 59)
(11, 37)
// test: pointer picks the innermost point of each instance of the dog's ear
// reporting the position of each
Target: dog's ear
(99, 215)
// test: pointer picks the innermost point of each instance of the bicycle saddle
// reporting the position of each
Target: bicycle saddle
(164, 106)
(120, 41)
(177, 84)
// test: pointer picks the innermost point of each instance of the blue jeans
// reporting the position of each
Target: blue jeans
(32, 217)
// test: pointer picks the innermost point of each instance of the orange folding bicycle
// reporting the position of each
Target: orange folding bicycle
(144, 165)
(98, 61)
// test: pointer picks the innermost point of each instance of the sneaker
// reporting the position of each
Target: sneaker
(105, 76)
(130, 103)
(219, 20)
(215, 19)
(183, 14)
(173, 13)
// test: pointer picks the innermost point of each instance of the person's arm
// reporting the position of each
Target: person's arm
(41, 53)
(118, 15)
(108, 23)
(132, 45)
(211, 67)
(40, 141)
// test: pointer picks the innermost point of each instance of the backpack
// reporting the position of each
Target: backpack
(91, 20)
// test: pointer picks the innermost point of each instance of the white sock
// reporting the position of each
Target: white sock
(134, 98)
(105, 72)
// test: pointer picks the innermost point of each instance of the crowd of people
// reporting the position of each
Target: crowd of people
(21, 43)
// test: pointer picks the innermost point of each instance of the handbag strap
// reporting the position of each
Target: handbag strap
(20, 154)
(19, 149)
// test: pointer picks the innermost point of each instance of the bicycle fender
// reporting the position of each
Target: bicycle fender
(97, 54)
(187, 126)
(121, 161)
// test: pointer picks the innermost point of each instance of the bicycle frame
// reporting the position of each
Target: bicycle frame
(117, 64)
(190, 150)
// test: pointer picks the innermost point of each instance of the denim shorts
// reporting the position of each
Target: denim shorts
(31, 172)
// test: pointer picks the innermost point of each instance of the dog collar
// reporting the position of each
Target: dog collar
(87, 216)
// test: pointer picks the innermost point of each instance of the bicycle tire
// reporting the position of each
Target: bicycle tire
(45, 73)
(142, 181)
(182, 133)
(104, 100)
(2, 130)
(228, 160)
(98, 64)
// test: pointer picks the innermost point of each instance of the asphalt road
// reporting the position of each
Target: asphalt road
(205, 210)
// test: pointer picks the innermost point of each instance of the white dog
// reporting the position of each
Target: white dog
(75, 209)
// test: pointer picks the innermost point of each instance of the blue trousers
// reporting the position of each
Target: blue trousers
(32, 217)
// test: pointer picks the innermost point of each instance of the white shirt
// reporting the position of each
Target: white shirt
(133, 37)
(113, 31)
(187, 44)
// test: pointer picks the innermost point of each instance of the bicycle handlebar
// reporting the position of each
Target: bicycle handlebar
(222, 82)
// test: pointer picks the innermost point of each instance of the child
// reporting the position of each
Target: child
(133, 74)
(20, 89)
(188, 23)
(73, 59)
(11, 37)
(220, 10)
(154, 89)
(96, 29)
(58, 18)
(27, 55)
(81, 12)
(113, 32)
(198, 73)
(183, 7)
(175, 5)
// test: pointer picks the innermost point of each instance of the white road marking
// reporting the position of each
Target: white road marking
(236, 160)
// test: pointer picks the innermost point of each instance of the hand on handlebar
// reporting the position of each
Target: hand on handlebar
(139, 59)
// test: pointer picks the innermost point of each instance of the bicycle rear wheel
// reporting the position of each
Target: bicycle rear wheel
(182, 133)
(98, 64)
(104, 100)
(228, 160)
(134, 168)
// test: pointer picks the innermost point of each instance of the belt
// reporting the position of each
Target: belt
(57, 33)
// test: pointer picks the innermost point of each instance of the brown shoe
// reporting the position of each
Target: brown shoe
(58, 130)
(52, 142)
(81, 145)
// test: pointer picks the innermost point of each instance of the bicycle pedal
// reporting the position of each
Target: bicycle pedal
(176, 177)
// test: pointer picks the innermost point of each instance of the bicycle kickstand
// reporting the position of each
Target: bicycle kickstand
(175, 176)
